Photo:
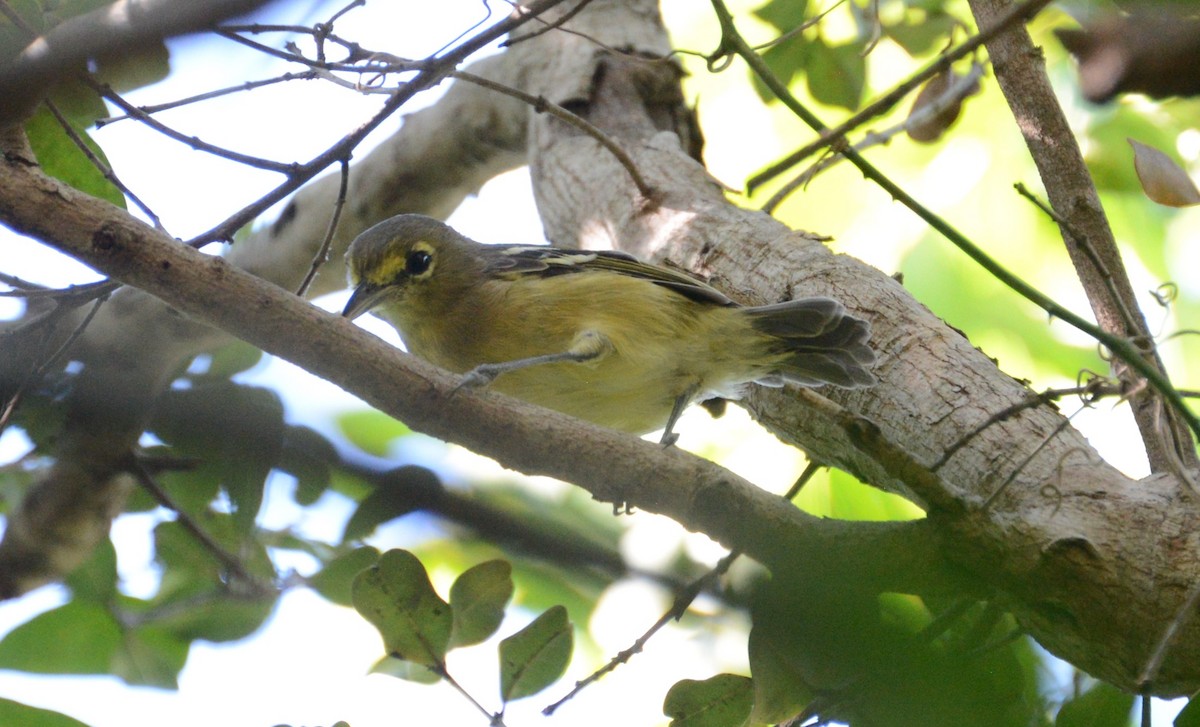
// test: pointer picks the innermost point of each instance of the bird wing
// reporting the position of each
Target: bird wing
(517, 260)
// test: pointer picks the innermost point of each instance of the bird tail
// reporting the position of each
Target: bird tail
(821, 343)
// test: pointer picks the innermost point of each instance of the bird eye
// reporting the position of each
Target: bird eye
(418, 262)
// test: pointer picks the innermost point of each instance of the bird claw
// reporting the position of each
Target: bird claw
(477, 378)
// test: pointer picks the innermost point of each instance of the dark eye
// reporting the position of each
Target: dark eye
(418, 262)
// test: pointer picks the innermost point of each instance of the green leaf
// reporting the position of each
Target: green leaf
(724, 700)
(786, 60)
(76, 638)
(335, 581)
(406, 670)
(151, 656)
(62, 159)
(921, 36)
(236, 430)
(22, 715)
(478, 598)
(1189, 716)
(134, 66)
(400, 491)
(784, 15)
(306, 456)
(371, 431)
(536, 656)
(1101, 706)
(229, 360)
(96, 579)
(395, 595)
(194, 600)
(779, 681)
(177, 549)
(837, 74)
(215, 617)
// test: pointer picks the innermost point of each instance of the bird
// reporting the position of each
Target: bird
(598, 335)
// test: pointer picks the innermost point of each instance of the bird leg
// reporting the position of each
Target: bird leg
(588, 346)
(669, 436)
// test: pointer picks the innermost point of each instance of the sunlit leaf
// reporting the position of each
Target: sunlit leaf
(371, 431)
(395, 595)
(1101, 706)
(784, 15)
(151, 656)
(724, 700)
(836, 74)
(76, 638)
(536, 656)
(96, 579)
(335, 581)
(1189, 716)
(22, 715)
(62, 158)
(478, 598)
(920, 37)
(406, 670)
(1163, 181)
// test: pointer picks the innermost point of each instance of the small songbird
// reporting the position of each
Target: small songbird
(599, 335)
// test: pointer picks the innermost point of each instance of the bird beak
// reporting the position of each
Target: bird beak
(363, 299)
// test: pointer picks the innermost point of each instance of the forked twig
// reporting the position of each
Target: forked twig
(683, 601)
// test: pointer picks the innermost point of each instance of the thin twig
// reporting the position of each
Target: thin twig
(1088, 250)
(99, 164)
(14, 401)
(1012, 476)
(1146, 680)
(683, 601)
(429, 76)
(1095, 389)
(495, 719)
(540, 104)
(548, 26)
(195, 142)
(322, 255)
(228, 561)
(208, 95)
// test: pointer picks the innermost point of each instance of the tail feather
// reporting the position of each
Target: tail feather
(824, 344)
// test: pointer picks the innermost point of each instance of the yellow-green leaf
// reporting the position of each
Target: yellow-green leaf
(724, 700)
(536, 656)
(478, 598)
(395, 595)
